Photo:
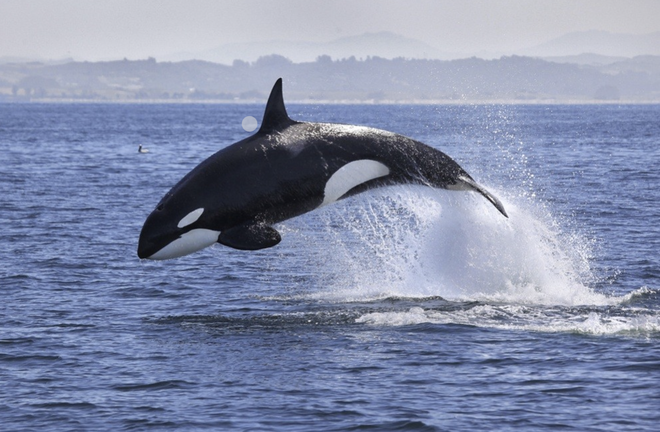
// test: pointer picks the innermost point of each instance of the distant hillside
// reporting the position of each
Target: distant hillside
(374, 79)
(586, 59)
(383, 44)
(390, 45)
(598, 42)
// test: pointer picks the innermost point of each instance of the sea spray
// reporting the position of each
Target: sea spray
(409, 241)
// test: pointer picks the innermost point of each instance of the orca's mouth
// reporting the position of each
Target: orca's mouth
(149, 245)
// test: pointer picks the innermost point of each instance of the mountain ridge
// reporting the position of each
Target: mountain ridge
(381, 44)
(597, 42)
(374, 79)
(390, 45)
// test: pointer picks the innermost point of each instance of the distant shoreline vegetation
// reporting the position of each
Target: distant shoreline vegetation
(514, 79)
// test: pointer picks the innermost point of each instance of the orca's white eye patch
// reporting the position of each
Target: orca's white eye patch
(190, 218)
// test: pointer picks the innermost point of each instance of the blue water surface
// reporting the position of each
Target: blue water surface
(403, 308)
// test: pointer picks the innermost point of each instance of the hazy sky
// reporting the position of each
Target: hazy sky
(114, 29)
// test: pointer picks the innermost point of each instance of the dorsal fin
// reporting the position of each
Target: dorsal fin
(275, 116)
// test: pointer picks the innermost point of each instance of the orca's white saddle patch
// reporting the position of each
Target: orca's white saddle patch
(350, 175)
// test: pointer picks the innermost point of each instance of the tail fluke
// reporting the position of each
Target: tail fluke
(472, 185)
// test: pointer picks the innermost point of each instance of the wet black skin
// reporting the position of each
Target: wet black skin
(281, 171)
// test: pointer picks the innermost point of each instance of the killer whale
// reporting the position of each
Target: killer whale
(285, 169)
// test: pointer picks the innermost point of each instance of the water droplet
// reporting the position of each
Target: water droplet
(249, 123)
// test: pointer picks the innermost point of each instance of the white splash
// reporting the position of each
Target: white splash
(409, 241)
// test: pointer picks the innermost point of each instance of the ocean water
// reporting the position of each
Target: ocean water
(404, 308)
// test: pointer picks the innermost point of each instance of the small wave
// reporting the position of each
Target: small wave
(528, 318)
(65, 405)
(397, 311)
(29, 358)
(640, 293)
(160, 385)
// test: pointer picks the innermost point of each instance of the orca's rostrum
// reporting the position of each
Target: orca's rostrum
(284, 170)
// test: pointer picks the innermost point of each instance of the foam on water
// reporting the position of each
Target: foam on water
(530, 318)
